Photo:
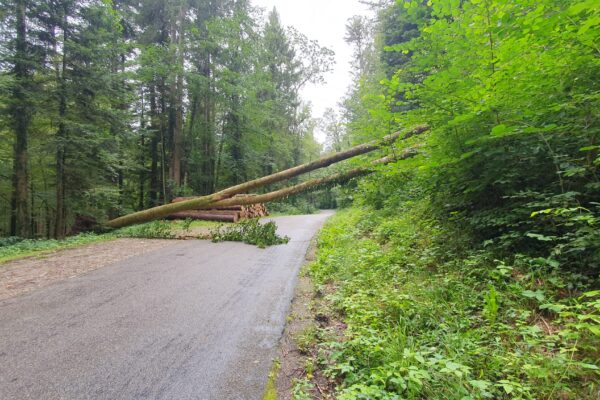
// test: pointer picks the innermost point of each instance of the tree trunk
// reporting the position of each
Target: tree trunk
(60, 227)
(176, 125)
(311, 184)
(21, 119)
(163, 211)
(153, 194)
(142, 172)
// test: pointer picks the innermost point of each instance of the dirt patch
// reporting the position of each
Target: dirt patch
(291, 358)
(310, 320)
(197, 232)
(22, 276)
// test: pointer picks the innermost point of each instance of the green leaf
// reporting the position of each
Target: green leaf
(538, 294)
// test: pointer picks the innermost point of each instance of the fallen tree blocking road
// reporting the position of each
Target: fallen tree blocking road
(201, 202)
(239, 212)
(304, 186)
(206, 215)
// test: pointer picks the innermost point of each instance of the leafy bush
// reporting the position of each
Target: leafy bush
(10, 241)
(421, 325)
(300, 207)
(250, 232)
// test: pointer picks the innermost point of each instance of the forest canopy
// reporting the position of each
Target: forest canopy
(108, 107)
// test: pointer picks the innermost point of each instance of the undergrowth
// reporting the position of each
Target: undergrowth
(426, 320)
(300, 207)
(13, 248)
(250, 232)
(152, 230)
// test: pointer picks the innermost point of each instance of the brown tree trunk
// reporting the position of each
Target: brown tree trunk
(21, 118)
(163, 211)
(154, 188)
(142, 172)
(60, 227)
(308, 185)
(177, 98)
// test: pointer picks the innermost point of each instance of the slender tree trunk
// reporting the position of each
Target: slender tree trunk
(48, 219)
(208, 139)
(142, 172)
(177, 36)
(308, 185)
(21, 119)
(237, 154)
(153, 194)
(219, 160)
(163, 156)
(60, 227)
(199, 202)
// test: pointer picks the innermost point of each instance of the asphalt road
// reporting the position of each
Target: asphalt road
(196, 320)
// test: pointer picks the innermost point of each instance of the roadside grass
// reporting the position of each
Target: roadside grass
(12, 248)
(426, 322)
(262, 235)
(271, 388)
(32, 247)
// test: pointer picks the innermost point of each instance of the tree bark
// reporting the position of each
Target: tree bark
(163, 211)
(177, 98)
(21, 119)
(153, 193)
(311, 184)
(60, 227)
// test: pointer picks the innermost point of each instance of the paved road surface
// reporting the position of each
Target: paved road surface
(195, 320)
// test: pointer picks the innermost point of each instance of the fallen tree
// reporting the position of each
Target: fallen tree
(201, 202)
(314, 183)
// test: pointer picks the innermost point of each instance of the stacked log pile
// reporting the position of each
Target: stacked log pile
(222, 214)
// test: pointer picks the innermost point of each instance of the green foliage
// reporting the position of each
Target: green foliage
(512, 157)
(421, 325)
(13, 248)
(306, 339)
(156, 99)
(295, 207)
(152, 230)
(490, 308)
(251, 232)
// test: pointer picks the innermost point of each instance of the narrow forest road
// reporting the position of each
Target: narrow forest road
(195, 320)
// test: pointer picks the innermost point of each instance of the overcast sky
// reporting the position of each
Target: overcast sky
(325, 21)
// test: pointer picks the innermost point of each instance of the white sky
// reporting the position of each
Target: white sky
(325, 21)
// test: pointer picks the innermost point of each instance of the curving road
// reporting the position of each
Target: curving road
(196, 320)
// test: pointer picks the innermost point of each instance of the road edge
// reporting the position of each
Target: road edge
(288, 365)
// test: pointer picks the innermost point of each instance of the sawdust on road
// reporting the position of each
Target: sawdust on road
(22, 276)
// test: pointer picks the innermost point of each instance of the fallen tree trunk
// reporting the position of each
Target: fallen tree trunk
(204, 216)
(201, 202)
(302, 187)
(249, 211)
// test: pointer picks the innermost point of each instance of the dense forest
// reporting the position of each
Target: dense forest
(470, 271)
(115, 106)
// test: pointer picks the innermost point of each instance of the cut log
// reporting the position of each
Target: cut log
(201, 202)
(242, 211)
(204, 216)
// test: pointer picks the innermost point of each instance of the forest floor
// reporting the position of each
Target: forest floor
(24, 275)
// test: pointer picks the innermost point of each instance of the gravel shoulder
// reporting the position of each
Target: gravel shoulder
(24, 275)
